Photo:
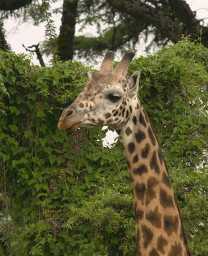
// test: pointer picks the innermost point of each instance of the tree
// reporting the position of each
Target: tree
(3, 43)
(124, 22)
(118, 23)
(65, 43)
(168, 20)
(11, 5)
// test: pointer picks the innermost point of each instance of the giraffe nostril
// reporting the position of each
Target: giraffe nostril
(81, 105)
(69, 113)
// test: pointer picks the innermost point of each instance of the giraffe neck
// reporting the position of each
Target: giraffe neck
(159, 228)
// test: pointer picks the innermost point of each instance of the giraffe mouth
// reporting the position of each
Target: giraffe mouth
(66, 124)
(75, 126)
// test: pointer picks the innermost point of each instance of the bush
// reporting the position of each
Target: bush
(64, 194)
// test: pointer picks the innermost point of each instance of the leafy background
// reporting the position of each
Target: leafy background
(63, 193)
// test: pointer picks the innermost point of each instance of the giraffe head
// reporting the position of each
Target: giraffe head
(106, 98)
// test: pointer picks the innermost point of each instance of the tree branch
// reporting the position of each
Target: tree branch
(171, 20)
(35, 49)
(11, 5)
(125, 32)
(3, 42)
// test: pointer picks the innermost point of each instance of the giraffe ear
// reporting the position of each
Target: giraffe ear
(107, 63)
(121, 69)
(134, 83)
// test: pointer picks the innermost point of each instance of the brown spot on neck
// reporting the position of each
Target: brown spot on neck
(154, 217)
(151, 190)
(142, 169)
(128, 131)
(140, 136)
(140, 191)
(171, 224)
(135, 159)
(176, 249)
(134, 119)
(161, 243)
(139, 214)
(166, 200)
(154, 163)
(131, 147)
(142, 120)
(147, 236)
(153, 252)
(145, 151)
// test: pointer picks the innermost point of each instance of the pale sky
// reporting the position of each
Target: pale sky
(19, 33)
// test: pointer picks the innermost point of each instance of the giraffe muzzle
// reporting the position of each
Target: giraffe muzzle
(69, 119)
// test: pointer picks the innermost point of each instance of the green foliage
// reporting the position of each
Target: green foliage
(192, 192)
(64, 194)
(174, 92)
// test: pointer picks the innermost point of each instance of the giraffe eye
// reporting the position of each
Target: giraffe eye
(113, 97)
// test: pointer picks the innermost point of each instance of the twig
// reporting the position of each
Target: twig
(35, 49)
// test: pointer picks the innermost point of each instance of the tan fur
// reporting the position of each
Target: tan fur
(171, 238)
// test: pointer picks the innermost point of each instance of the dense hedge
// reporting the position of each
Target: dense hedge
(64, 194)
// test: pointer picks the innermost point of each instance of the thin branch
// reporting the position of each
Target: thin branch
(35, 49)
(11, 5)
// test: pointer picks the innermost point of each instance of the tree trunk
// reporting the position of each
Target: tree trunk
(35, 49)
(67, 30)
(3, 43)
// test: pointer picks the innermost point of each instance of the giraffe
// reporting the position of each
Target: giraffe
(110, 98)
